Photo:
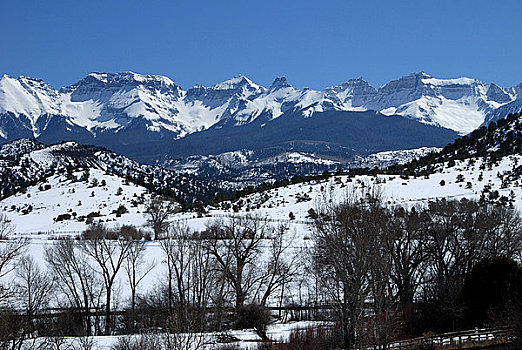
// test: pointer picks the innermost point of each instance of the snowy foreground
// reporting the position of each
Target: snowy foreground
(464, 180)
(244, 339)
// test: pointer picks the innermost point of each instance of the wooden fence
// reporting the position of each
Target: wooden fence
(471, 339)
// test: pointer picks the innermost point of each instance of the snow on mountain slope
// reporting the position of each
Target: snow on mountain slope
(384, 159)
(458, 104)
(28, 96)
(103, 102)
(514, 106)
(116, 99)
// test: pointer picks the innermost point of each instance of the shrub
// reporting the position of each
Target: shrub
(121, 210)
(131, 232)
(62, 217)
(256, 317)
(492, 291)
(314, 338)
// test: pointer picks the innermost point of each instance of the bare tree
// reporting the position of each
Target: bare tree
(176, 249)
(203, 285)
(74, 278)
(280, 268)
(33, 286)
(136, 271)
(158, 211)
(10, 251)
(109, 256)
(177, 252)
(189, 276)
(459, 235)
(6, 227)
(236, 247)
(344, 254)
(503, 231)
(405, 244)
(33, 289)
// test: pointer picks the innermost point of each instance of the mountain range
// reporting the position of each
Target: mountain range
(152, 119)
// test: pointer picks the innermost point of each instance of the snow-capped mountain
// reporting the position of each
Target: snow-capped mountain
(514, 106)
(458, 104)
(129, 111)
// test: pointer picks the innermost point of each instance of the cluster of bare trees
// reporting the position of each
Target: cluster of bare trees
(252, 261)
(209, 280)
(378, 263)
(213, 275)
(85, 271)
(65, 297)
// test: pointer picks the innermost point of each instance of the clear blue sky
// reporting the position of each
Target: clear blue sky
(314, 43)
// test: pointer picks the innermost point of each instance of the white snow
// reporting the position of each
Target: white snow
(445, 82)
(459, 104)
(65, 197)
(276, 205)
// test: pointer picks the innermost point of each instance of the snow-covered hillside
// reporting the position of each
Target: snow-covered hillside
(39, 211)
(60, 204)
(26, 162)
(382, 160)
(246, 168)
(466, 179)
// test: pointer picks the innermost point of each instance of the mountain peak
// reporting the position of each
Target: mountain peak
(234, 83)
(355, 82)
(102, 76)
(422, 75)
(279, 83)
(22, 78)
(130, 76)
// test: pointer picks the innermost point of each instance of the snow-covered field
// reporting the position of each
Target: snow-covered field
(463, 180)
(244, 339)
(277, 205)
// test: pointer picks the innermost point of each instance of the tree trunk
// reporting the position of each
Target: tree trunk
(108, 312)
(87, 316)
(133, 308)
(170, 292)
